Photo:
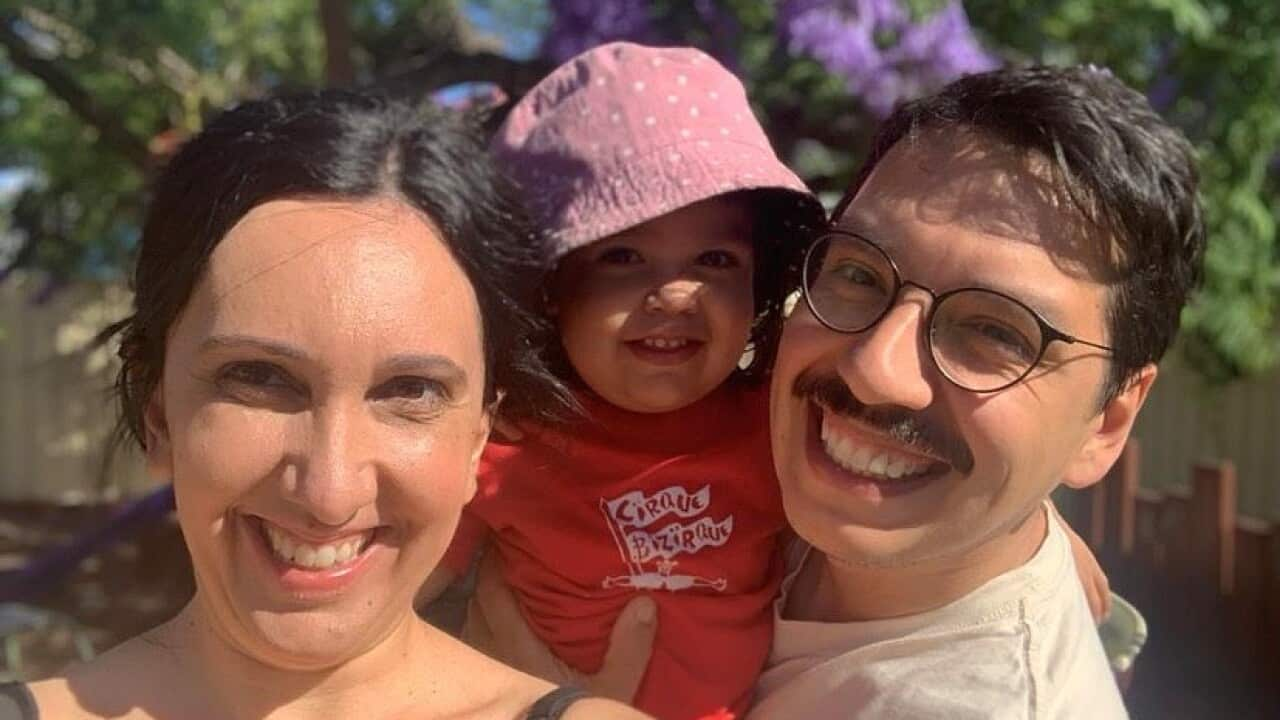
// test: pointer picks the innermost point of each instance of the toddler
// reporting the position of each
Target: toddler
(665, 211)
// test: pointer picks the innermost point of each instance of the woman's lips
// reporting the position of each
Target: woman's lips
(308, 569)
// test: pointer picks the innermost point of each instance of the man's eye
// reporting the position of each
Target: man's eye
(1000, 335)
(619, 256)
(719, 259)
(857, 274)
(411, 389)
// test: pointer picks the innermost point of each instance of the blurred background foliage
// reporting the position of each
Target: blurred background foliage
(94, 95)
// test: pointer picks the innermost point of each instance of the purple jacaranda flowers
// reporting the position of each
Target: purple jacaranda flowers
(883, 56)
(577, 25)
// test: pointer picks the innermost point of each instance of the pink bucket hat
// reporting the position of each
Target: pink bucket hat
(624, 133)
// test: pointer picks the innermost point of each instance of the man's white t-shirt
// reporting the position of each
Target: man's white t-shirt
(1022, 646)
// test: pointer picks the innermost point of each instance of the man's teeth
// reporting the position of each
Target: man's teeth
(314, 557)
(658, 343)
(868, 460)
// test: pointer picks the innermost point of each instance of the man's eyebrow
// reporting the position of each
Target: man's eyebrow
(270, 347)
(1029, 295)
(850, 222)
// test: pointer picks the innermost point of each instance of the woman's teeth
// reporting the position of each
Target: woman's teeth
(314, 557)
(657, 343)
(873, 462)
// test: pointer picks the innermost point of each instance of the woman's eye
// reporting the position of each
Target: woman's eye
(411, 389)
(719, 259)
(256, 375)
(619, 256)
(261, 384)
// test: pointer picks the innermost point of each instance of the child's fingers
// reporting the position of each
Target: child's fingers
(630, 645)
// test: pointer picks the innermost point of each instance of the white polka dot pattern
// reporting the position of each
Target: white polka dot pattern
(625, 133)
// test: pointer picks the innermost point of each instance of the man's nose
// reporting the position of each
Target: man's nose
(886, 364)
(338, 476)
(676, 296)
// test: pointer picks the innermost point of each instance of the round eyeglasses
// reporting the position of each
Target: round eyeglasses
(981, 340)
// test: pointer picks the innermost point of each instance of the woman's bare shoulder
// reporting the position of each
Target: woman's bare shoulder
(593, 708)
(511, 694)
(116, 684)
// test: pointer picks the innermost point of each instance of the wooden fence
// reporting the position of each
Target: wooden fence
(1205, 576)
(56, 411)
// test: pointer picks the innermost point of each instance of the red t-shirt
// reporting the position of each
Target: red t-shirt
(681, 505)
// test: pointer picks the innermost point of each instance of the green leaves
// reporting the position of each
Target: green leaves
(1213, 68)
(156, 68)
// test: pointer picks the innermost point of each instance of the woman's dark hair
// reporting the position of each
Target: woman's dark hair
(344, 145)
(1131, 176)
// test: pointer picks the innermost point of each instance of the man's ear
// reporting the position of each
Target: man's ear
(1111, 431)
(159, 450)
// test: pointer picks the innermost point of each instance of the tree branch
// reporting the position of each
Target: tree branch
(433, 70)
(335, 19)
(82, 103)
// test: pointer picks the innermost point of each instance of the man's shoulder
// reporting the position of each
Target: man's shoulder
(957, 670)
(1024, 645)
(999, 667)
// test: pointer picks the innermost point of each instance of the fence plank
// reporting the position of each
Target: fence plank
(1213, 492)
(1252, 592)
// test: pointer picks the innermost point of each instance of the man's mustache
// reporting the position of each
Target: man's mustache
(907, 427)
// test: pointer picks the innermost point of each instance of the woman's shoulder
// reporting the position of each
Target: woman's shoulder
(592, 707)
(117, 684)
(511, 693)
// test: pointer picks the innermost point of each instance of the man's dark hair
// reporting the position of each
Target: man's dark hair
(1129, 173)
(342, 145)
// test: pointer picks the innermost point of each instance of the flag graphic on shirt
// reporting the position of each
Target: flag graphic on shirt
(653, 530)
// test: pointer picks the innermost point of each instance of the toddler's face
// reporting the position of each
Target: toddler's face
(656, 317)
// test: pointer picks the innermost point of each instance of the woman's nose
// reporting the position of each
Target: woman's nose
(337, 476)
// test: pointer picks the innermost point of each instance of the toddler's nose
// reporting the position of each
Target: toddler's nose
(675, 297)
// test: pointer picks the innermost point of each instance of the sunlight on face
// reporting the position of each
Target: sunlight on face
(656, 317)
(976, 217)
(321, 412)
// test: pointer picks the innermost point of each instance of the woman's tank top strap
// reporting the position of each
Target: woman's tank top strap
(552, 705)
(16, 702)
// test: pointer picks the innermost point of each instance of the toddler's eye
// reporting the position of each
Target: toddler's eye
(719, 259)
(619, 256)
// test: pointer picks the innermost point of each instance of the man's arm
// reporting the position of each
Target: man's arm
(1097, 589)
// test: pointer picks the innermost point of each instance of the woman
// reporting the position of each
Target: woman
(330, 302)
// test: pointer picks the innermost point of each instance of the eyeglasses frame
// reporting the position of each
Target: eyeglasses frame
(1048, 333)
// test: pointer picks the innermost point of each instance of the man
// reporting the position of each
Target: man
(981, 325)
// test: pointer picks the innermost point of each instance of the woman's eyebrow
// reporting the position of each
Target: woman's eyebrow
(271, 347)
